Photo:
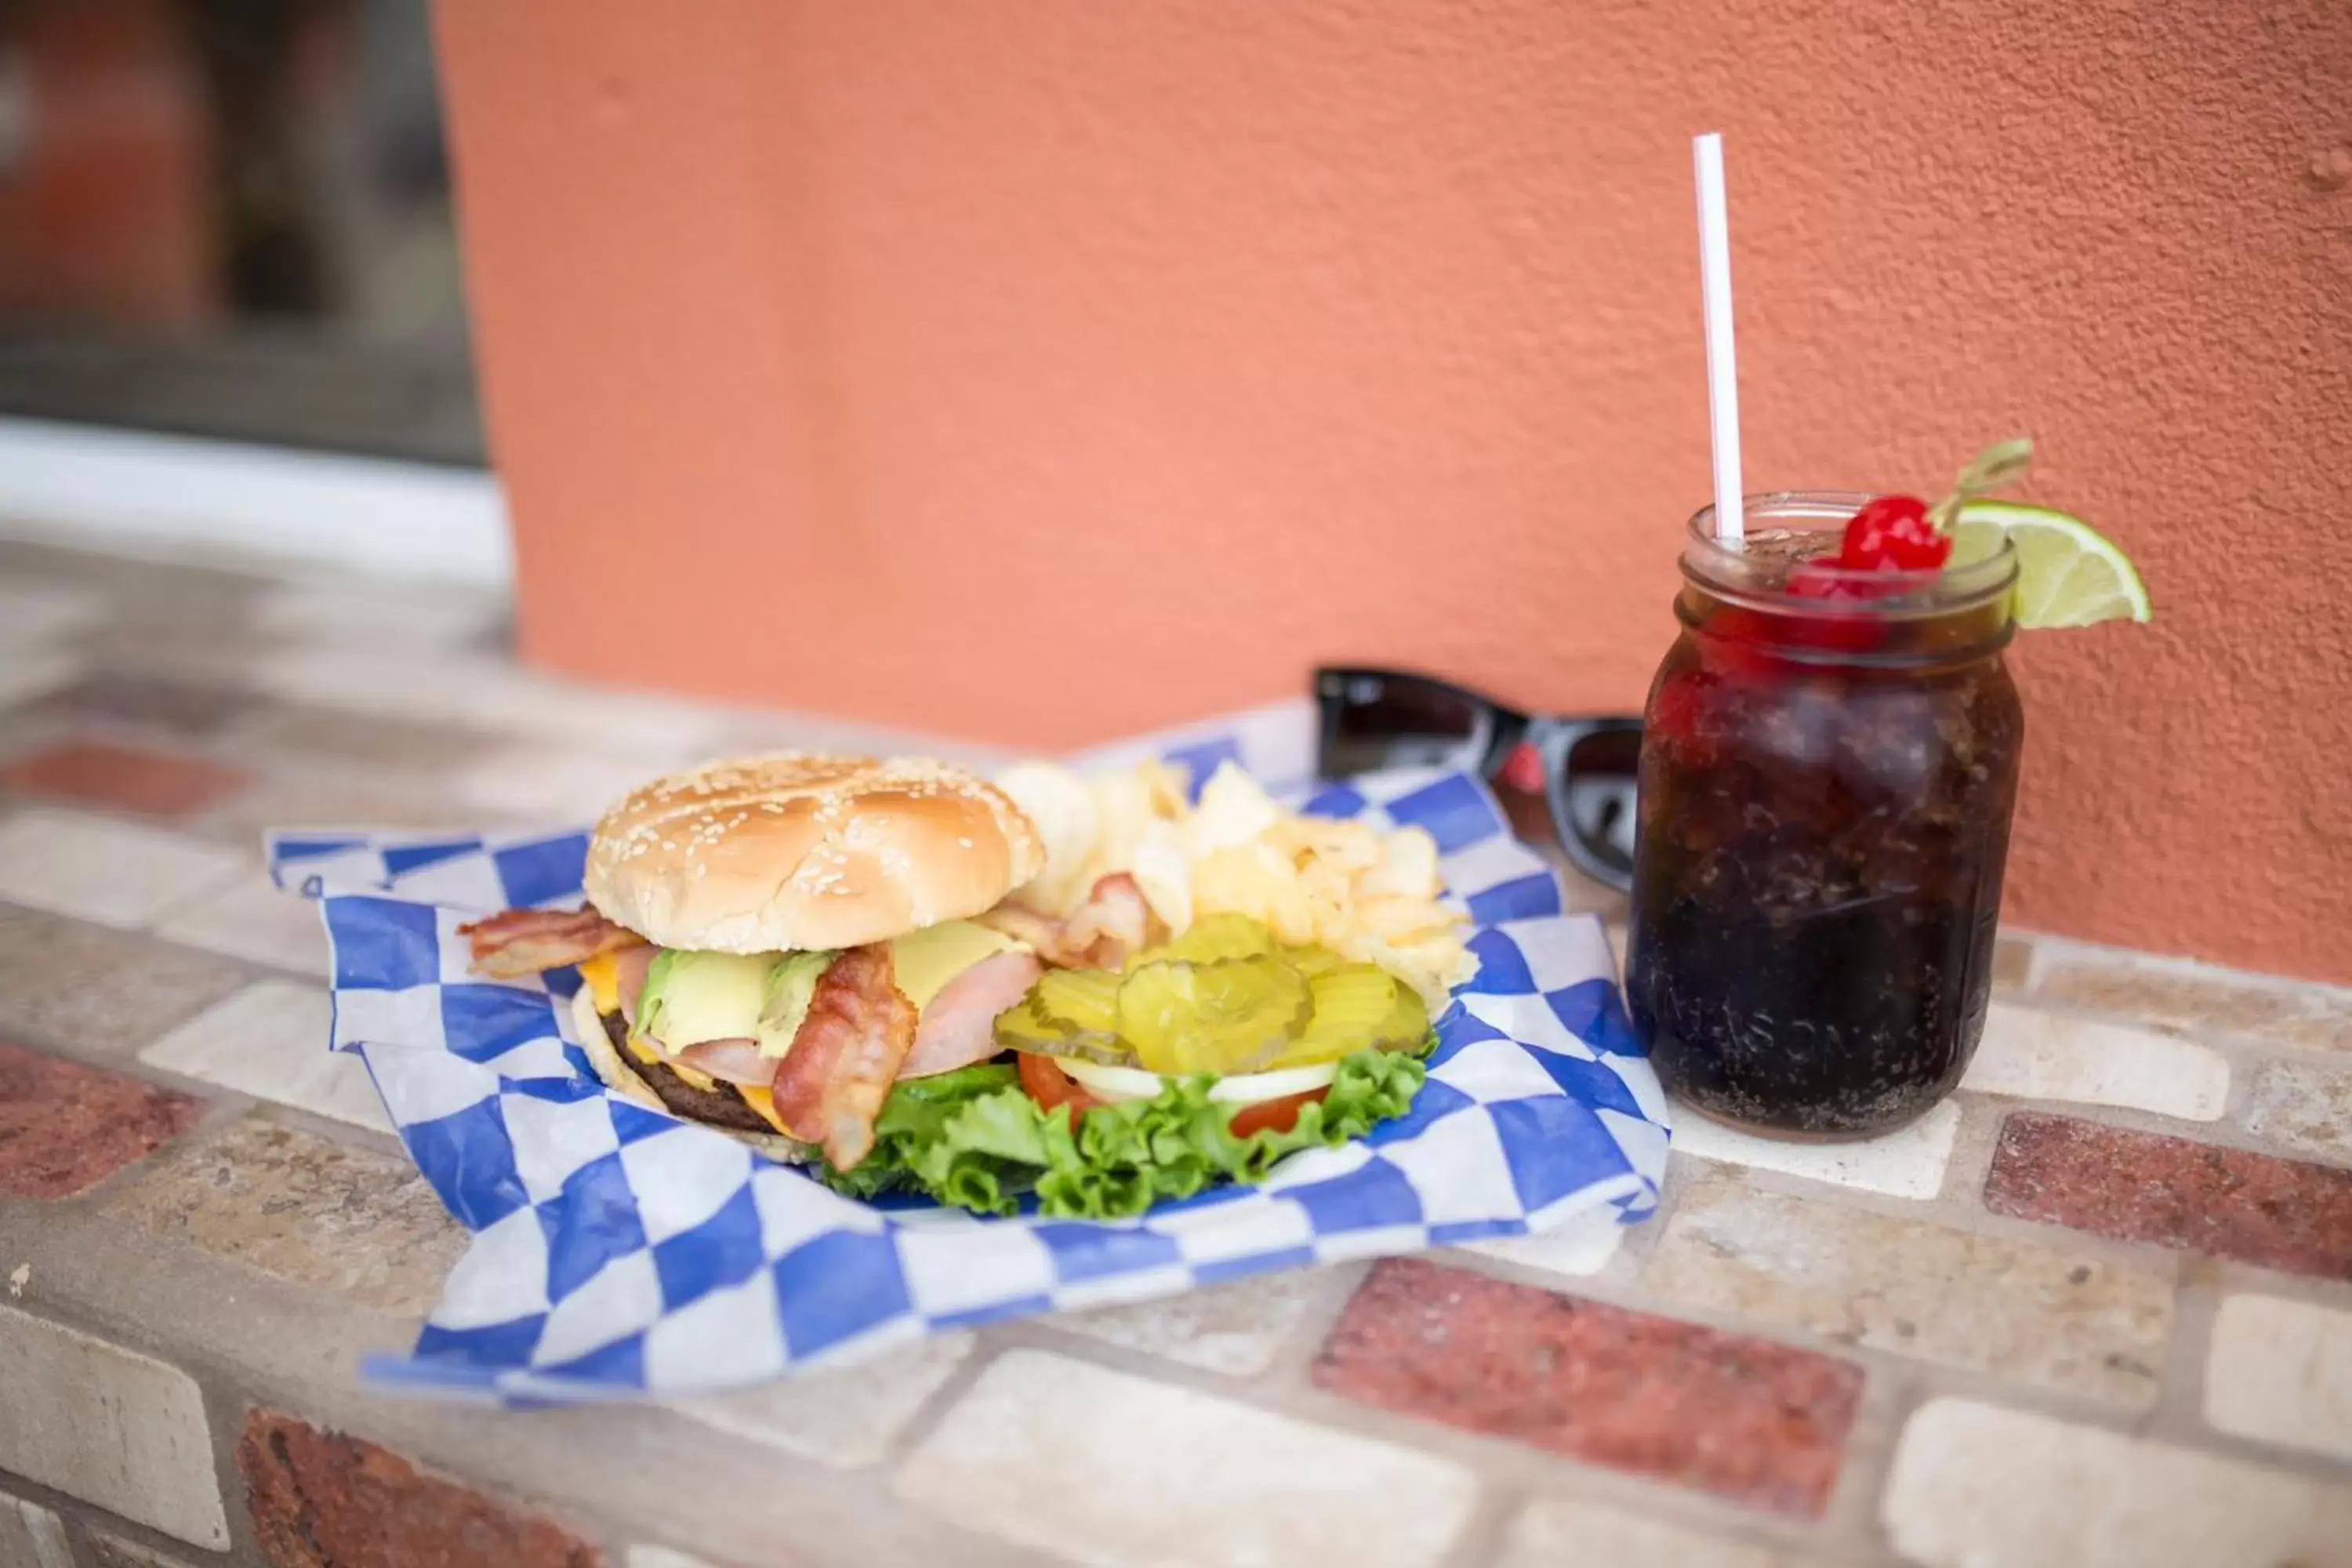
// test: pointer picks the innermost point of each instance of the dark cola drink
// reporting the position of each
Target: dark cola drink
(1827, 777)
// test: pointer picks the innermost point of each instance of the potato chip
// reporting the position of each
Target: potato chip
(1169, 788)
(1165, 871)
(1062, 807)
(1233, 809)
(1344, 885)
(1408, 867)
(1122, 811)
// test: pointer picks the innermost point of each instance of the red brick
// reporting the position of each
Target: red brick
(124, 778)
(65, 1127)
(1760, 1423)
(2175, 1191)
(321, 1500)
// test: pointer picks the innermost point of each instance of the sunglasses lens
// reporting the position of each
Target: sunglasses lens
(1602, 768)
(1373, 721)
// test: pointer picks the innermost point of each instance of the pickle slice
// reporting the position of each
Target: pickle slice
(1085, 999)
(1225, 1016)
(1311, 962)
(1358, 1006)
(1214, 937)
(1027, 1026)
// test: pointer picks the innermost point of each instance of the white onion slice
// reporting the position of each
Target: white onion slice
(1243, 1089)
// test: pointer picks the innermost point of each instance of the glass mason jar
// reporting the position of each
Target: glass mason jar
(1829, 761)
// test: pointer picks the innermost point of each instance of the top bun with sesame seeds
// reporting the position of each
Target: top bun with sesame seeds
(802, 851)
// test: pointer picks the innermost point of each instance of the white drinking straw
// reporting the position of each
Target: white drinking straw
(1722, 370)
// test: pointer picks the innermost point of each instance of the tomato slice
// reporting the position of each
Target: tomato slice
(1049, 1085)
(1280, 1115)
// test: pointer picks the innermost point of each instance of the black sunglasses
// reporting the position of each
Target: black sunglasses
(1584, 769)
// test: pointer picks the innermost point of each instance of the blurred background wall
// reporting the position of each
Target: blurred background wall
(1045, 369)
(231, 219)
(1041, 369)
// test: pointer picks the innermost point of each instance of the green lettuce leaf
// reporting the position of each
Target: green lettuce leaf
(975, 1139)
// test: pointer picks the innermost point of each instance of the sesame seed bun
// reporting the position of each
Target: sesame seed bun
(803, 851)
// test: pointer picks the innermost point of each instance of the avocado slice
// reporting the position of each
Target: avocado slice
(784, 1000)
(690, 997)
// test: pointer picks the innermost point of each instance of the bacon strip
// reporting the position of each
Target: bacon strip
(1114, 923)
(859, 1028)
(515, 942)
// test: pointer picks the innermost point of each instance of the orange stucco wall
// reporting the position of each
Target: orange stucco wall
(1045, 369)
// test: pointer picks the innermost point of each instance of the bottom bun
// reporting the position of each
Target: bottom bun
(625, 1080)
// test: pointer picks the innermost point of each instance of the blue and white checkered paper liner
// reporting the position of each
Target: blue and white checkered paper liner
(621, 1254)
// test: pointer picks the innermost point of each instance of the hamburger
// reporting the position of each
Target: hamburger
(829, 958)
(770, 944)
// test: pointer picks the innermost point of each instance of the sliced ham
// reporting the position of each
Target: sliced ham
(1112, 925)
(736, 1060)
(516, 943)
(858, 1031)
(959, 1028)
(629, 967)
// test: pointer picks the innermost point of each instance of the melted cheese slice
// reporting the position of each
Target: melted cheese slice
(764, 1103)
(923, 962)
(602, 975)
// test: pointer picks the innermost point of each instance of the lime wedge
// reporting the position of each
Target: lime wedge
(2068, 574)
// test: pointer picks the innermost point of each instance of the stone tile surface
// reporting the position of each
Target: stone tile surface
(2028, 1314)
(108, 1426)
(1197, 1479)
(1905, 1163)
(254, 920)
(2305, 1105)
(378, 616)
(2013, 961)
(32, 615)
(2179, 996)
(1553, 1533)
(1236, 1329)
(493, 694)
(31, 673)
(64, 1128)
(328, 797)
(2142, 1187)
(540, 783)
(111, 776)
(1578, 1249)
(334, 734)
(846, 1418)
(323, 1500)
(32, 1536)
(149, 701)
(113, 1552)
(1976, 1485)
(98, 990)
(116, 873)
(2281, 1371)
(2035, 1055)
(269, 1040)
(305, 1210)
(1760, 1423)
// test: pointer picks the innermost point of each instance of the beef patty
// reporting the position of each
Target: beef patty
(719, 1105)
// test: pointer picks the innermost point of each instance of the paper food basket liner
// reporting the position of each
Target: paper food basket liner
(619, 1254)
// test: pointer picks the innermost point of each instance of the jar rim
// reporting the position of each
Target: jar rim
(1723, 568)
